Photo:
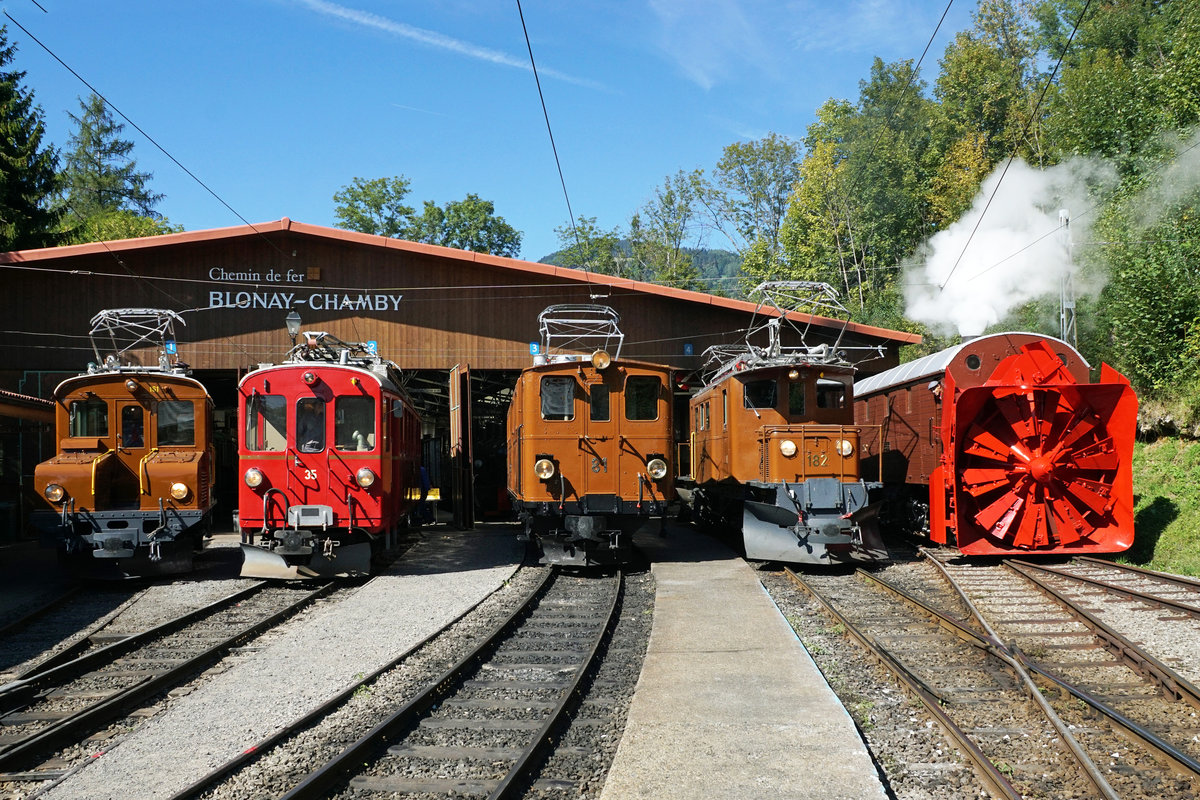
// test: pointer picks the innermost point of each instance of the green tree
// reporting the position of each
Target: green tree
(122, 224)
(747, 197)
(469, 224)
(100, 176)
(374, 206)
(585, 245)
(659, 231)
(28, 172)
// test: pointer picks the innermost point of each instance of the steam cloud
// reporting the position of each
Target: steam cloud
(1017, 253)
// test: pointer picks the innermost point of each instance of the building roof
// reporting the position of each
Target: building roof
(50, 254)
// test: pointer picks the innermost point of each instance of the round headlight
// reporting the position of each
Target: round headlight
(364, 477)
(544, 468)
(310, 378)
(254, 477)
(845, 447)
(656, 467)
(131, 385)
(787, 447)
(179, 491)
(55, 493)
(601, 360)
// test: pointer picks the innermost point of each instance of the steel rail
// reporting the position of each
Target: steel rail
(1007, 653)
(989, 774)
(8, 627)
(1181, 580)
(62, 732)
(318, 783)
(1193, 610)
(256, 750)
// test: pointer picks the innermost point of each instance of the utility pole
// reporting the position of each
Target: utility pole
(1066, 305)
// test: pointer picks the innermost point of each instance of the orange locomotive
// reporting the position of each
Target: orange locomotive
(775, 451)
(589, 441)
(1004, 445)
(131, 485)
(329, 451)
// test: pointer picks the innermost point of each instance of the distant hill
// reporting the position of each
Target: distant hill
(718, 268)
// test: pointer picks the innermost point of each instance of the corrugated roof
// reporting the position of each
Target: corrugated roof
(497, 262)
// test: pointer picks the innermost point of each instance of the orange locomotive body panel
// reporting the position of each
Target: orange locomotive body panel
(133, 474)
(329, 455)
(1004, 445)
(589, 456)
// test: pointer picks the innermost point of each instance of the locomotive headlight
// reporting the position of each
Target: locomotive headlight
(180, 491)
(364, 477)
(787, 447)
(310, 378)
(845, 447)
(601, 360)
(131, 385)
(544, 468)
(657, 468)
(254, 477)
(55, 493)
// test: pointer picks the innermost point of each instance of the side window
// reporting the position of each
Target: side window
(641, 397)
(310, 425)
(725, 409)
(830, 394)
(176, 422)
(266, 422)
(599, 402)
(133, 427)
(89, 418)
(354, 423)
(558, 397)
(796, 398)
(760, 394)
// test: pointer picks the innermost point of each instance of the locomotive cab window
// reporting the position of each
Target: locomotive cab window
(558, 398)
(598, 393)
(176, 423)
(310, 425)
(641, 397)
(89, 418)
(354, 424)
(266, 422)
(796, 399)
(760, 394)
(830, 393)
(133, 427)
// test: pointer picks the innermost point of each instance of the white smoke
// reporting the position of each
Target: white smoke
(981, 267)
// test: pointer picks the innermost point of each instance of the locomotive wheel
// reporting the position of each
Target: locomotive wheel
(1038, 469)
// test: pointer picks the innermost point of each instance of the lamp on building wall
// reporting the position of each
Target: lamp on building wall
(293, 324)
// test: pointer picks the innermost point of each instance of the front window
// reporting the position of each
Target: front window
(558, 397)
(796, 399)
(641, 397)
(310, 425)
(354, 426)
(266, 422)
(760, 394)
(831, 394)
(176, 423)
(133, 432)
(89, 418)
(599, 403)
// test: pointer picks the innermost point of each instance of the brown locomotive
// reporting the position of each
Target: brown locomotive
(589, 441)
(775, 450)
(131, 483)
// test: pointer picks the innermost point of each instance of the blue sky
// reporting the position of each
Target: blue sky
(276, 104)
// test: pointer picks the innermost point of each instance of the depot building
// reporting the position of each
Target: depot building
(444, 316)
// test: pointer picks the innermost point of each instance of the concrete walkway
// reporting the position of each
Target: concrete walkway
(729, 703)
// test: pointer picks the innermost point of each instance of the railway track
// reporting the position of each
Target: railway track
(58, 705)
(1028, 688)
(483, 725)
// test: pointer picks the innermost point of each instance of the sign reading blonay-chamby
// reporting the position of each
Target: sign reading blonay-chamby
(317, 301)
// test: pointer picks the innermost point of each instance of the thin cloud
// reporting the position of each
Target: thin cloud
(437, 40)
(710, 40)
(859, 25)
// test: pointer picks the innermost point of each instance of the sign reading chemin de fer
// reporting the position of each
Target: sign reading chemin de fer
(317, 301)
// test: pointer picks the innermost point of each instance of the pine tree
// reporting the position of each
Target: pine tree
(100, 177)
(28, 172)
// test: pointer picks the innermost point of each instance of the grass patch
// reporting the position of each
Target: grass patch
(1166, 500)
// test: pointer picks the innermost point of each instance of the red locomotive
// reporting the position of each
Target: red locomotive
(589, 441)
(130, 488)
(775, 450)
(1004, 445)
(329, 452)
